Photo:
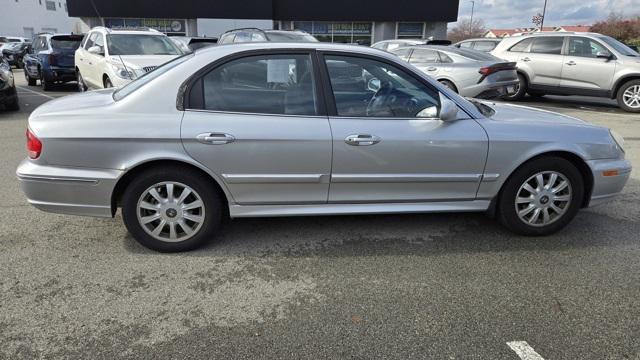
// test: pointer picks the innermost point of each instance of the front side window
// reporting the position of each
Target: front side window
(584, 47)
(130, 44)
(90, 41)
(547, 45)
(369, 88)
(264, 84)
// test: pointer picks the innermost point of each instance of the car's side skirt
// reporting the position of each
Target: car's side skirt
(238, 211)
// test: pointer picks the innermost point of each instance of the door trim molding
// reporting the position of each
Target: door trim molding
(239, 211)
(273, 178)
(404, 178)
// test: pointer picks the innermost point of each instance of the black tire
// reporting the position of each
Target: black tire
(82, 87)
(522, 89)
(449, 84)
(46, 84)
(210, 197)
(30, 81)
(107, 83)
(13, 105)
(620, 96)
(507, 213)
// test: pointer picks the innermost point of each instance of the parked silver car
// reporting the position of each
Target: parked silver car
(567, 63)
(263, 129)
(468, 72)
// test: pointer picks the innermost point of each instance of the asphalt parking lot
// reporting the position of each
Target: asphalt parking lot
(447, 286)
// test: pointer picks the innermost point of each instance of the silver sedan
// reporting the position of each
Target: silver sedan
(259, 130)
(468, 72)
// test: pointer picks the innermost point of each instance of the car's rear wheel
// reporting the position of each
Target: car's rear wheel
(46, 84)
(521, 89)
(629, 96)
(30, 81)
(448, 84)
(171, 209)
(541, 197)
(82, 87)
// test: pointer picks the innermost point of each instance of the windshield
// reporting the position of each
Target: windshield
(65, 43)
(133, 44)
(618, 46)
(146, 78)
(290, 37)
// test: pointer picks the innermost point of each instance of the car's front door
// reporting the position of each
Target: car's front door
(543, 63)
(588, 65)
(86, 60)
(257, 122)
(393, 148)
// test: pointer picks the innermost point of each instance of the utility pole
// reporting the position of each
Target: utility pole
(544, 13)
(473, 5)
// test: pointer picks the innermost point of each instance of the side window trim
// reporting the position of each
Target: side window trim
(332, 109)
(197, 79)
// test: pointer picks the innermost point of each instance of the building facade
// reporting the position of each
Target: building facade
(25, 18)
(344, 21)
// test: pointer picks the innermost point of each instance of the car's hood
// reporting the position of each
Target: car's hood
(71, 104)
(525, 114)
(142, 61)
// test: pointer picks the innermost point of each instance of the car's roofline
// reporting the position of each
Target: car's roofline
(320, 46)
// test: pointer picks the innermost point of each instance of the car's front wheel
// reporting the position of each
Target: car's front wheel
(107, 83)
(82, 86)
(629, 96)
(171, 209)
(541, 197)
(31, 81)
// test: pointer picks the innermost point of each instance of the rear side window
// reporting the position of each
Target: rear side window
(466, 44)
(522, 46)
(485, 46)
(402, 53)
(424, 56)
(264, 84)
(547, 45)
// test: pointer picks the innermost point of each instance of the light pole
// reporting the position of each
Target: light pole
(473, 5)
(544, 13)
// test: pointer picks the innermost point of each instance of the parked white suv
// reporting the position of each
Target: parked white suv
(113, 58)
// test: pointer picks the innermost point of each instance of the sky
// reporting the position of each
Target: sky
(518, 13)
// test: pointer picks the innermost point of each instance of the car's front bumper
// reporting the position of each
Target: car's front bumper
(8, 95)
(68, 190)
(609, 178)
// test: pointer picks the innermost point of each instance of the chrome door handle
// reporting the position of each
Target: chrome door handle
(362, 140)
(571, 63)
(432, 68)
(526, 59)
(215, 138)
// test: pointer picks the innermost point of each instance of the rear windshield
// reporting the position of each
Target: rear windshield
(291, 37)
(65, 42)
(133, 44)
(471, 54)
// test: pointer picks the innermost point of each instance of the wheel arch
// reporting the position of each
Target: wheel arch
(572, 157)
(140, 168)
(620, 82)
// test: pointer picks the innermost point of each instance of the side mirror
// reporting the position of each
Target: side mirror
(603, 55)
(374, 85)
(97, 50)
(448, 109)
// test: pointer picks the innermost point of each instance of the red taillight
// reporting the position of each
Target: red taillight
(488, 70)
(53, 59)
(34, 146)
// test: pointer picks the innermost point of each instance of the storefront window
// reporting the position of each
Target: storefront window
(338, 32)
(410, 30)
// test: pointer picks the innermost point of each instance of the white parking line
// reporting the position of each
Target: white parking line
(524, 351)
(35, 92)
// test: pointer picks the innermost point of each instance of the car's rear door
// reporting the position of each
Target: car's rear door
(258, 122)
(383, 152)
(543, 62)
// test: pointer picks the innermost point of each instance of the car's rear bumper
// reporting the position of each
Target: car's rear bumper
(68, 190)
(609, 178)
(489, 90)
(57, 73)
